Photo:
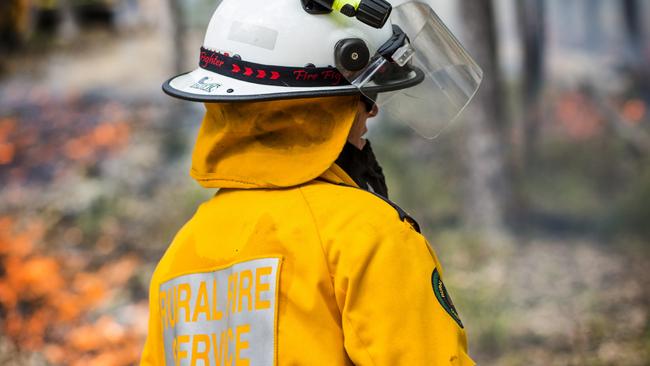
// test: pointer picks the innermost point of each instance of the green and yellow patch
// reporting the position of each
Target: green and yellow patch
(443, 297)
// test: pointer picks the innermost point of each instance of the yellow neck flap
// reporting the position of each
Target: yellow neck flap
(271, 144)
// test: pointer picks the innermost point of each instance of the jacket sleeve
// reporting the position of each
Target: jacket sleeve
(394, 306)
(152, 354)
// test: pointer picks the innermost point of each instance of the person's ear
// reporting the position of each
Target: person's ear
(374, 111)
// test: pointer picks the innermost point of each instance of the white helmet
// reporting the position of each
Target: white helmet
(258, 50)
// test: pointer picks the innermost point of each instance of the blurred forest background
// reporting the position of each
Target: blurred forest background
(538, 201)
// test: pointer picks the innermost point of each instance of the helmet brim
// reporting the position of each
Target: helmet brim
(206, 86)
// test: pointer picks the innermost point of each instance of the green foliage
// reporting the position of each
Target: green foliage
(632, 215)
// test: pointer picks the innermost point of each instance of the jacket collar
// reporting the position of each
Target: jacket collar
(336, 175)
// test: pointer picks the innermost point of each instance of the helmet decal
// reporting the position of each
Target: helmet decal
(253, 35)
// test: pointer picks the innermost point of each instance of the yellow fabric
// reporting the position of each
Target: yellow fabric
(271, 144)
(354, 285)
(337, 175)
(355, 281)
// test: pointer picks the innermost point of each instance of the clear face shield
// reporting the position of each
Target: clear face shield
(422, 76)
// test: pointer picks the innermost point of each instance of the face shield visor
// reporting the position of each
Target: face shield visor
(422, 75)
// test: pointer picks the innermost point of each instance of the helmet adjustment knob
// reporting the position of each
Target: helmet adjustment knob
(374, 13)
(352, 54)
(348, 10)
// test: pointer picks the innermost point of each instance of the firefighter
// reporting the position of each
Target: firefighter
(300, 258)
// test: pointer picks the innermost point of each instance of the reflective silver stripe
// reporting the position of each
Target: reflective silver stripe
(223, 317)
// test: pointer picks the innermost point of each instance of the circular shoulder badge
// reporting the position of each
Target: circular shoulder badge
(443, 297)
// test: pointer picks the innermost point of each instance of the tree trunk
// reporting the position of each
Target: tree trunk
(179, 33)
(175, 140)
(531, 16)
(485, 184)
(633, 29)
(68, 30)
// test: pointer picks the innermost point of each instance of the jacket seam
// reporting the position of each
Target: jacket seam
(320, 241)
(327, 264)
(401, 213)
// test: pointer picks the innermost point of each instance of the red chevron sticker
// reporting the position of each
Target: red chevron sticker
(248, 71)
(261, 74)
(275, 75)
(235, 68)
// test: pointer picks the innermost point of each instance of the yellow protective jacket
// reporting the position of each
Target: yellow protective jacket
(318, 272)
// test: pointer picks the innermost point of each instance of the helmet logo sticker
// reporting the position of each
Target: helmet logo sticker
(205, 86)
(253, 35)
(443, 297)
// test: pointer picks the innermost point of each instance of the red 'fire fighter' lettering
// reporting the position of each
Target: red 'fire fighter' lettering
(210, 59)
(304, 75)
(332, 75)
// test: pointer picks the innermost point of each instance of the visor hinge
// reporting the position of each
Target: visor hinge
(397, 46)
